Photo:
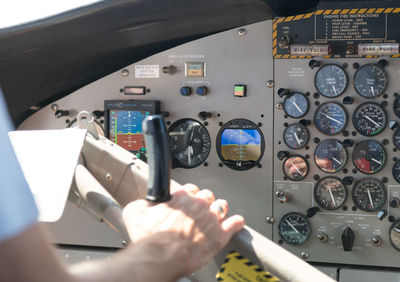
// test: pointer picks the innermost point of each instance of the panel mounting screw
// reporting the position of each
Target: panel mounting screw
(270, 83)
(54, 107)
(124, 244)
(279, 106)
(242, 32)
(304, 255)
(108, 177)
(269, 219)
(125, 73)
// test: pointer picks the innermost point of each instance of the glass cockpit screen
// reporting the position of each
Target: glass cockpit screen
(241, 144)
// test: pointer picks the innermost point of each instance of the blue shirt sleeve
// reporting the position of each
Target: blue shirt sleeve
(17, 206)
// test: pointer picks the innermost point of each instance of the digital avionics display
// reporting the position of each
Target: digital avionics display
(241, 144)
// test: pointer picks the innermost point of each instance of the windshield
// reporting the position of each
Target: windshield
(16, 12)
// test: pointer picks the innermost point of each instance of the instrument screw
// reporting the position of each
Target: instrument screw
(269, 219)
(242, 32)
(108, 177)
(125, 73)
(270, 83)
(124, 244)
(304, 255)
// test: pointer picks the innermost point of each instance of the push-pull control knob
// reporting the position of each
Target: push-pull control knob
(312, 211)
(348, 237)
(394, 202)
(204, 115)
(283, 92)
(282, 155)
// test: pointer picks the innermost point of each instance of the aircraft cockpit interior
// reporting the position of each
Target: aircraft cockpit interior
(289, 110)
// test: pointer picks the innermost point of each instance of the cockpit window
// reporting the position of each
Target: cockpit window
(17, 12)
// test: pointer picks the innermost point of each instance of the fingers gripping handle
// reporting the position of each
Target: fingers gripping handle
(156, 139)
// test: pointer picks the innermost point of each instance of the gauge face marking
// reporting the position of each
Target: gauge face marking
(369, 194)
(396, 107)
(190, 143)
(369, 156)
(295, 167)
(330, 118)
(396, 171)
(396, 138)
(296, 105)
(330, 193)
(394, 234)
(294, 228)
(370, 81)
(330, 156)
(369, 119)
(331, 81)
(296, 136)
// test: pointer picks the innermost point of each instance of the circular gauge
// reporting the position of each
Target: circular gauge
(396, 106)
(294, 228)
(394, 234)
(295, 167)
(369, 194)
(190, 143)
(369, 119)
(330, 156)
(330, 118)
(296, 136)
(396, 138)
(331, 81)
(295, 105)
(330, 193)
(396, 171)
(240, 144)
(369, 157)
(370, 81)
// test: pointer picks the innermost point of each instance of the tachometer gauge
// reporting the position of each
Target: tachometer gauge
(331, 81)
(369, 156)
(369, 119)
(330, 156)
(294, 228)
(295, 167)
(330, 193)
(296, 136)
(370, 81)
(396, 171)
(369, 194)
(296, 105)
(396, 107)
(396, 138)
(190, 143)
(330, 118)
(394, 234)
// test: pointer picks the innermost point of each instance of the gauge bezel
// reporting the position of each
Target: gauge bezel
(345, 190)
(305, 129)
(345, 113)
(394, 165)
(397, 131)
(305, 160)
(396, 101)
(345, 74)
(239, 123)
(383, 90)
(375, 208)
(346, 154)
(390, 238)
(362, 105)
(289, 96)
(176, 162)
(308, 226)
(354, 151)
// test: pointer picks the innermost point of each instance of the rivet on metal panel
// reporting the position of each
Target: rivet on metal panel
(242, 32)
(124, 244)
(108, 176)
(54, 107)
(279, 106)
(125, 73)
(304, 255)
(270, 83)
(269, 219)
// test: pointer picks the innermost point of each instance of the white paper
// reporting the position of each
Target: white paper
(48, 159)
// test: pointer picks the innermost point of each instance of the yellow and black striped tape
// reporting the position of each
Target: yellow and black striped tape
(238, 268)
(323, 12)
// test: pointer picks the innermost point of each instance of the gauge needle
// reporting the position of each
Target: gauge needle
(297, 107)
(396, 229)
(296, 168)
(335, 120)
(334, 89)
(189, 152)
(375, 160)
(336, 160)
(297, 138)
(372, 90)
(371, 120)
(333, 199)
(291, 225)
(370, 198)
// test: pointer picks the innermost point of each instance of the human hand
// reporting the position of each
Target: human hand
(185, 233)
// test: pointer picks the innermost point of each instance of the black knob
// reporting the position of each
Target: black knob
(282, 155)
(186, 91)
(201, 90)
(314, 64)
(312, 211)
(305, 122)
(393, 124)
(381, 214)
(204, 115)
(348, 100)
(348, 180)
(61, 113)
(348, 143)
(382, 63)
(394, 202)
(283, 92)
(348, 237)
(165, 114)
(98, 114)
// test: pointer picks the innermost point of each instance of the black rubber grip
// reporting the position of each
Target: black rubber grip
(158, 158)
